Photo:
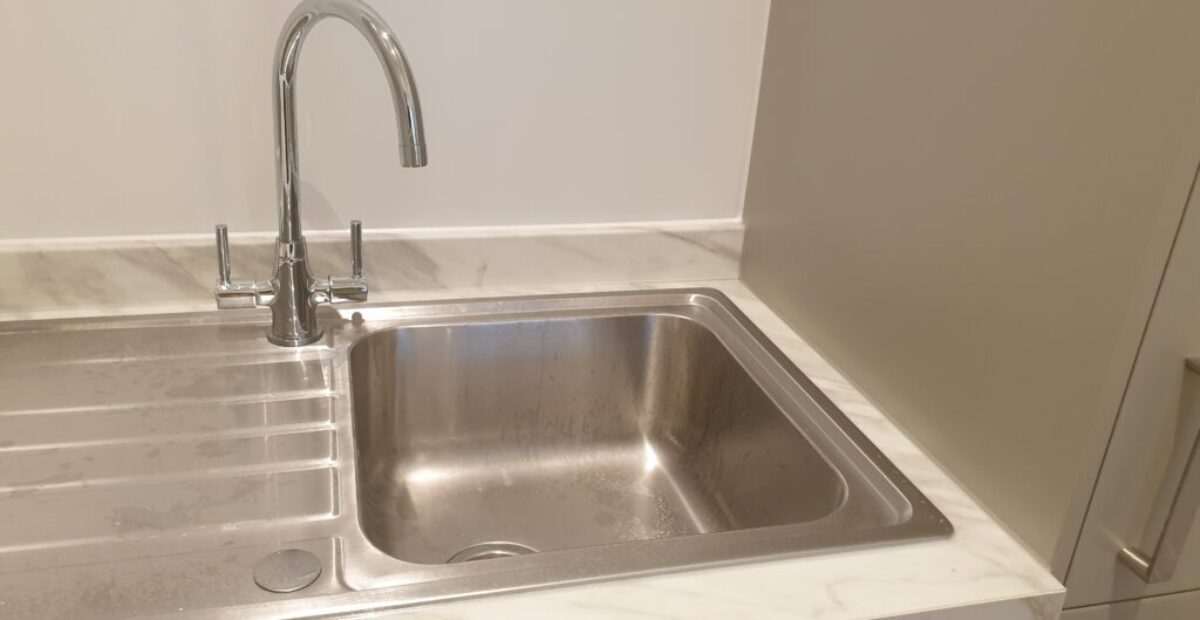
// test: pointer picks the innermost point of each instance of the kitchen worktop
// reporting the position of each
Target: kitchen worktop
(218, 506)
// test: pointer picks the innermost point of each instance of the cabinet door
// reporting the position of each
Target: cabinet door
(1152, 440)
(1185, 606)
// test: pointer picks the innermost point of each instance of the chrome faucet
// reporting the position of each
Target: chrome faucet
(292, 293)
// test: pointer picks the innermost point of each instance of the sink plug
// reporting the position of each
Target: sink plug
(290, 570)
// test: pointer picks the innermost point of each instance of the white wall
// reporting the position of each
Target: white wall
(130, 117)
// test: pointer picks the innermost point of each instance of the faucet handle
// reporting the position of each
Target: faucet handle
(340, 290)
(343, 289)
(356, 257)
(232, 293)
(223, 268)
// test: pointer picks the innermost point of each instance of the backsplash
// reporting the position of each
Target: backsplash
(143, 117)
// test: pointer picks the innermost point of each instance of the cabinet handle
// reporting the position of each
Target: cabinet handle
(1160, 565)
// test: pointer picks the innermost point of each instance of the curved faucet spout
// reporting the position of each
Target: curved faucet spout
(404, 94)
(292, 293)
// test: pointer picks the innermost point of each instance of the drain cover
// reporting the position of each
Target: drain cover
(290, 570)
(490, 551)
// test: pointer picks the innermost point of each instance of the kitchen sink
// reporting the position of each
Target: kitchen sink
(420, 452)
(605, 435)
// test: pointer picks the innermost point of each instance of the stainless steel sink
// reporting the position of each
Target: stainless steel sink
(420, 452)
(624, 432)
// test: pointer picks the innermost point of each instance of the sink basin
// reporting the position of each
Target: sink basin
(614, 433)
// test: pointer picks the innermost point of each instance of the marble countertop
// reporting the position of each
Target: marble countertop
(980, 573)
(42, 279)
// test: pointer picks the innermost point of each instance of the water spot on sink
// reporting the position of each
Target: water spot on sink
(213, 449)
(608, 497)
(605, 519)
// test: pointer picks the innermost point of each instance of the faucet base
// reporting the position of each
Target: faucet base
(296, 342)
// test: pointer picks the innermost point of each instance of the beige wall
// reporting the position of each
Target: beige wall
(964, 205)
(122, 117)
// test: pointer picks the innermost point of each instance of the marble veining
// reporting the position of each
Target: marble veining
(97, 279)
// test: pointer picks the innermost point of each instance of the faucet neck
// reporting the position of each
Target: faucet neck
(404, 94)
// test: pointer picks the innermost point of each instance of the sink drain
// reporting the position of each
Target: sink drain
(490, 551)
